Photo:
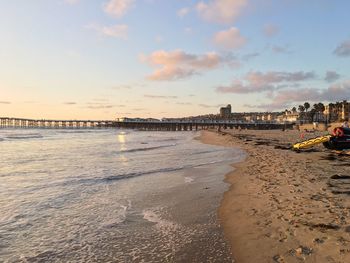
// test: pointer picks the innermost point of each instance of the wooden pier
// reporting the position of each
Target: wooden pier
(182, 125)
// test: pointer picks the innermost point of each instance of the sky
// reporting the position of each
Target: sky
(103, 59)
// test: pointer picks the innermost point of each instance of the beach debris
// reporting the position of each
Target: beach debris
(301, 251)
(278, 258)
(319, 240)
(337, 176)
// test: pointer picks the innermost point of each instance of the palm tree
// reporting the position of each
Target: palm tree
(306, 106)
(301, 108)
(294, 109)
(320, 107)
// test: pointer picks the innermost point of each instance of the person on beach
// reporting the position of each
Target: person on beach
(345, 124)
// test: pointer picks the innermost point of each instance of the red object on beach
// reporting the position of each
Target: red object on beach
(338, 132)
(302, 135)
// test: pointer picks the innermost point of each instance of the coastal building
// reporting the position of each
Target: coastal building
(337, 111)
(225, 112)
(288, 116)
(345, 112)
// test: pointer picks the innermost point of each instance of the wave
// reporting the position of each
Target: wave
(23, 136)
(131, 175)
(145, 149)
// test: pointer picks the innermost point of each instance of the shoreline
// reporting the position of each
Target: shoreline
(284, 206)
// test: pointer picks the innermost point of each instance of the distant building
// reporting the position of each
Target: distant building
(337, 111)
(288, 116)
(345, 113)
(225, 112)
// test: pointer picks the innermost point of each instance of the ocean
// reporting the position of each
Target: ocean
(108, 195)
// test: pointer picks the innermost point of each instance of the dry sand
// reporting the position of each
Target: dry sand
(285, 206)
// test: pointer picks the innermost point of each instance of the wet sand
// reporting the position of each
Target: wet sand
(285, 206)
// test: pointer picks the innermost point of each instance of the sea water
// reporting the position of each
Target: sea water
(111, 196)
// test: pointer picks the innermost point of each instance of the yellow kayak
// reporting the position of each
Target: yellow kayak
(311, 142)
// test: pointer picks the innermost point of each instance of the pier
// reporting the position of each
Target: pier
(180, 125)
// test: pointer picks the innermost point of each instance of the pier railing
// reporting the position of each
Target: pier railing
(176, 125)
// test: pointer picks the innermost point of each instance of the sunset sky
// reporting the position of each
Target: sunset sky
(100, 59)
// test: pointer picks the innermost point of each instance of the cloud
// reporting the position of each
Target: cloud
(270, 30)
(99, 105)
(229, 39)
(183, 12)
(255, 82)
(250, 56)
(72, 2)
(210, 106)
(284, 98)
(177, 64)
(281, 49)
(121, 87)
(118, 8)
(220, 11)
(188, 30)
(206, 106)
(159, 96)
(184, 103)
(331, 76)
(343, 50)
(5, 102)
(115, 31)
(159, 39)
(70, 103)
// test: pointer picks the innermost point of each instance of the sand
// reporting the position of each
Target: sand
(284, 206)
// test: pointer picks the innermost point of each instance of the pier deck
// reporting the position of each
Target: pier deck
(183, 125)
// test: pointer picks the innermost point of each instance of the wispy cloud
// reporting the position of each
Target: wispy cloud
(250, 56)
(118, 8)
(286, 98)
(5, 102)
(343, 49)
(331, 76)
(184, 103)
(229, 39)
(206, 106)
(121, 87)
(115, 31)
(270, 30)
(72, 2)
(177, 64)
(221, 11)
(159, 39)
(255, 82)
(335, 92)
(183, 12)
(210, 106)
(69, 103)
(188, 30)
(159, 96)
(281, 49)
(102, 105)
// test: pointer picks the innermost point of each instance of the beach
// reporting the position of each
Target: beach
(285, 206)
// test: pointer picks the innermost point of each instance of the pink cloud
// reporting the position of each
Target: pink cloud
(177, 64)
(285, 98)
(257, 81)
(221, 11)
(117, 8)
(270, 30)
(229, 39)
(116, 31)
